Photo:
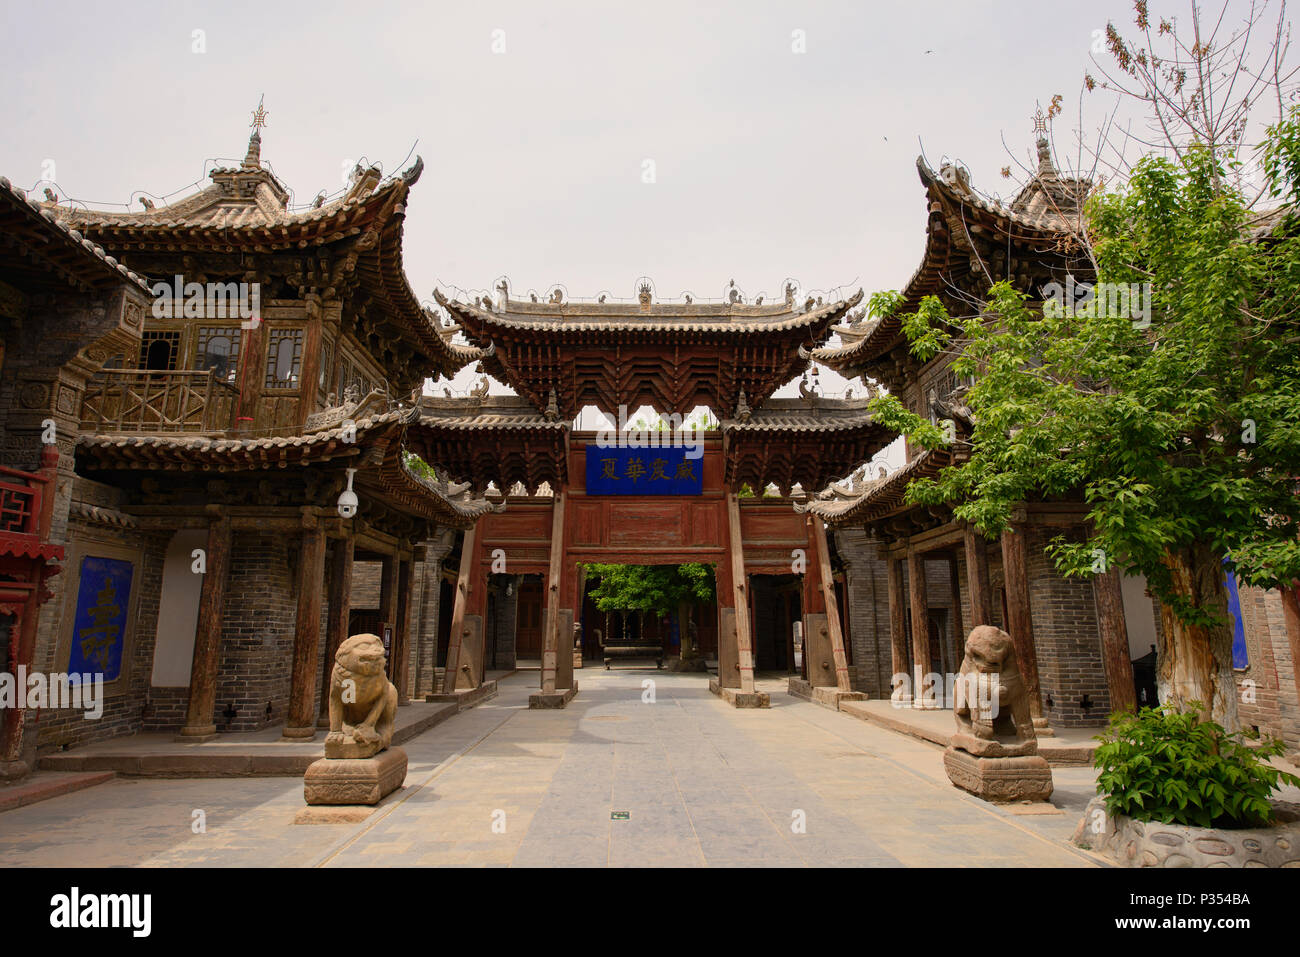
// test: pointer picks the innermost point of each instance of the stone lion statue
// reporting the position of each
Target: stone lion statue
(363, 702)
(992, 708)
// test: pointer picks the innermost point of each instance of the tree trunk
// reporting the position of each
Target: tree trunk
(1195, 661)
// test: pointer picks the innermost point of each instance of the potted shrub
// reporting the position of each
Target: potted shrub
(1178, 791)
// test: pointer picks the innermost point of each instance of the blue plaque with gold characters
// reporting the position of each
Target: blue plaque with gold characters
(626, 471)
(99, 628)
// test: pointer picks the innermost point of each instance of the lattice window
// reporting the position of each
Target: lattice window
(218, 351)
(159, 350)
(16, 509)
(284, 358)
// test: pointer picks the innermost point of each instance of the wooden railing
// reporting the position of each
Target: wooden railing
(20, 502)
(139, 400)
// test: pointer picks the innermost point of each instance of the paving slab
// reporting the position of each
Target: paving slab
(701, 784)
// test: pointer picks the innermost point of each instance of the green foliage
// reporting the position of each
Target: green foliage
(1181, 426)
(418, 466)
(657, 589)
(1162, 765)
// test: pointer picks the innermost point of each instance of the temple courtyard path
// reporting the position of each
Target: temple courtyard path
(701, 784)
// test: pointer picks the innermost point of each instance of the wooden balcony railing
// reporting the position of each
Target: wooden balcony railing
(27, 508)
(140, 400)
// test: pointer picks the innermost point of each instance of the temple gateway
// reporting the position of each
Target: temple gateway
(200, 503)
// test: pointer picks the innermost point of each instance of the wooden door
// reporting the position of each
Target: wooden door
(528, 624)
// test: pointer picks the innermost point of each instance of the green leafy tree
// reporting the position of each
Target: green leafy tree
(1182, 433)
(660, 590)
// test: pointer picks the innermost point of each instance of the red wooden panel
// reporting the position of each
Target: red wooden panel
(588, 523)
(707, 524)
(633, 521)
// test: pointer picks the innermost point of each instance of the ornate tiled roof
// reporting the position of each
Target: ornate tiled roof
(21, 214)
(449, 504)
(669, 317)
(484, 440)
(670, 356)
(837, 505)
(804, 442)
(245, 209)
(493, 413)
(1040, 218)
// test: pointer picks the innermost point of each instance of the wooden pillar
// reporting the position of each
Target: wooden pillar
(551, 637)
(898, 626)
(338, 616)
(402, 631)
(207, 636)
(388, 607)
(977, 578)
(1020, 623)
(301, 721)
(464, 581)
(958, 631)
(916, 586)
(827, 584)
(1113, 629)
(744, 634)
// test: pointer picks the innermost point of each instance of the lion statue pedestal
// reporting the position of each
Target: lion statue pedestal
(994, 753)
(359, 766)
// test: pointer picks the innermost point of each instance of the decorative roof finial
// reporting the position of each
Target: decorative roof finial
(1045, 165)
(253, 159)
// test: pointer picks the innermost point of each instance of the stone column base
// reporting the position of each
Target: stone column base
(1000, 780)
(466, 698)
(14, 770)
(740, 699)
(196, 735)
(355, 780)
(545, 700)
(830, 697)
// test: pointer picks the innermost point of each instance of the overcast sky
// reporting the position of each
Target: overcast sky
(537, 121)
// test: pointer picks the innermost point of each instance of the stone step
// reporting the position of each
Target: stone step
(1059, 754)
(47, 784)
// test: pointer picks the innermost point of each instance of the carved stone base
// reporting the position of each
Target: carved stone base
(355, 780)
(1025, 778)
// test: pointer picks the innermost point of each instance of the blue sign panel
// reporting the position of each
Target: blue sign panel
(664, 471)
(1240, 657)
(99, 629)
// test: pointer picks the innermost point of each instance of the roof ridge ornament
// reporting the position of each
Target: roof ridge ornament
(743, 412)
(253, 158)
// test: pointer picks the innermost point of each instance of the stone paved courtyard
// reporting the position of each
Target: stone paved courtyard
(702, 784)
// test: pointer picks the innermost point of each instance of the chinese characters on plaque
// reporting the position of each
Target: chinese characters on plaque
(99, 628)
(662, 471)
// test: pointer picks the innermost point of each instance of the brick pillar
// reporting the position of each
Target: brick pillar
(425, 604)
